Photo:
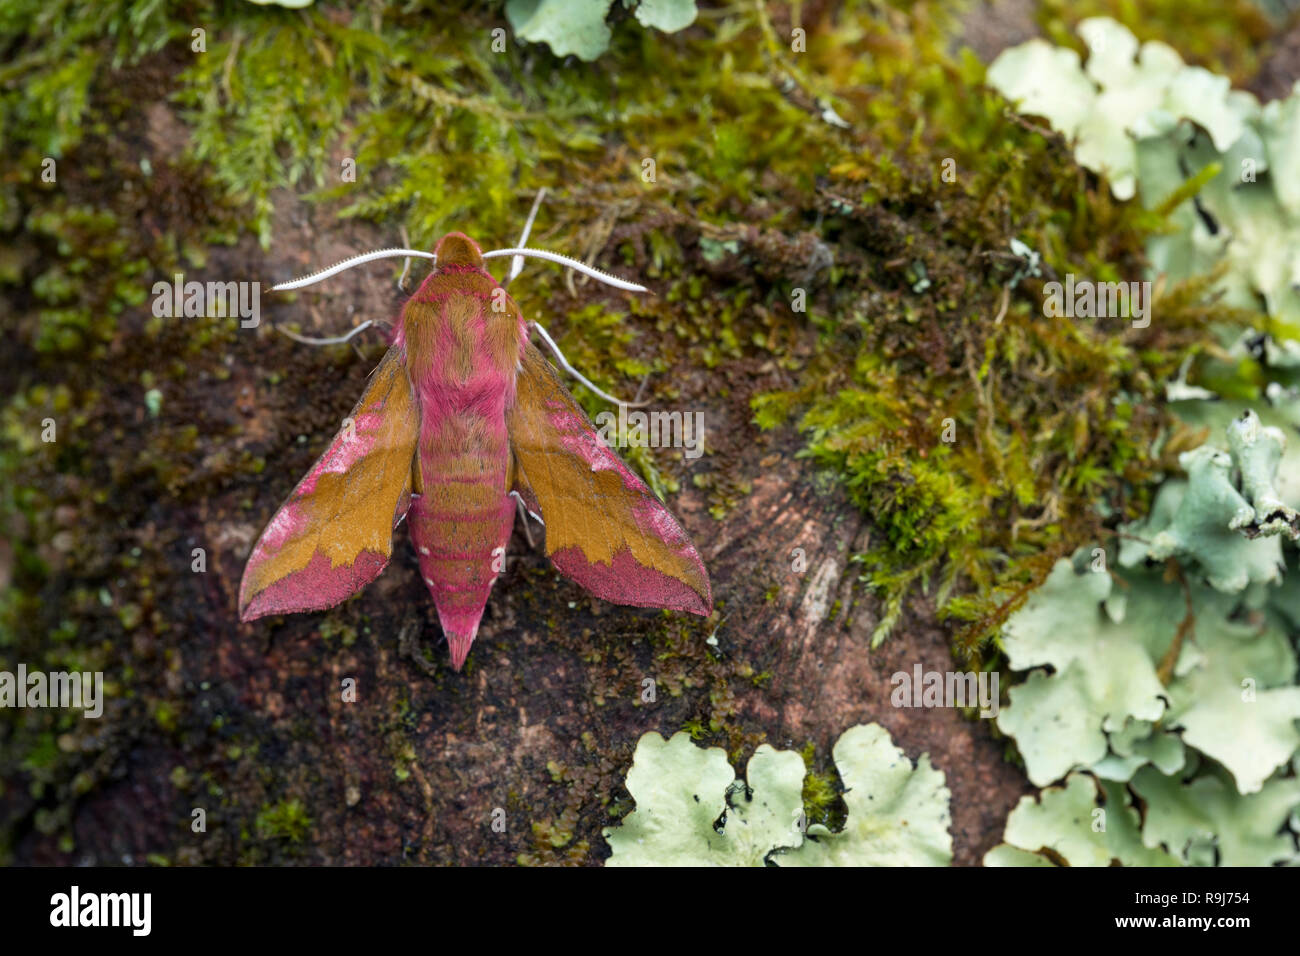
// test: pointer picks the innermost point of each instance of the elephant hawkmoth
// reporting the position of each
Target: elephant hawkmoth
(463, 416)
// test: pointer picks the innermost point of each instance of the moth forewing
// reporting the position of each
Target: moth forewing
(334, 533)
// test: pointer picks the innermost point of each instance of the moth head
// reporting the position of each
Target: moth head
(458, 249)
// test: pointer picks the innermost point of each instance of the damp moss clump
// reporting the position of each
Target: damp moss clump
(286, 821)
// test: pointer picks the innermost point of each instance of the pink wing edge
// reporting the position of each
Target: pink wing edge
(320, 584)
(649, 587)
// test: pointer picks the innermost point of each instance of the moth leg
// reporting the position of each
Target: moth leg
(524, 515)
(564, 364)
(408, 645)
(336, 340)
(517, 262)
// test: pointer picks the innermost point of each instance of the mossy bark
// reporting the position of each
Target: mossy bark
(184, 434)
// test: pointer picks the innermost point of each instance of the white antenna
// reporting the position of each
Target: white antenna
(574, 264)
(346, 264)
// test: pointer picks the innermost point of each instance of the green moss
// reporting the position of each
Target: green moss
(822, 800)
(165, 716)
(286, 821)
(331, 629)
(55, 54)
(976, 435)
(555, 834)
(83, 250)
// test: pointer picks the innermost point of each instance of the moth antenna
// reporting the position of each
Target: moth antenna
(348, 264)
(336, 340)
(564, 364)
(574, 264)
(517, 263)
(406, 265)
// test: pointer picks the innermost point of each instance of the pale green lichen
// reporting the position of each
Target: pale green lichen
(1103, 673)
(1182, 685)
(1208, 821)
(1084, 823)
(1257, 450)
(1174, 658)
(578, 27)
(690, 812)
(1155, 126)
(1201, 519)
(1178, 677)
(898, 815)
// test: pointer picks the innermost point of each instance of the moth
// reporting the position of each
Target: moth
(464, 423)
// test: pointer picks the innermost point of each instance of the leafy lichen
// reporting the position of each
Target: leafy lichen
(689, 810)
